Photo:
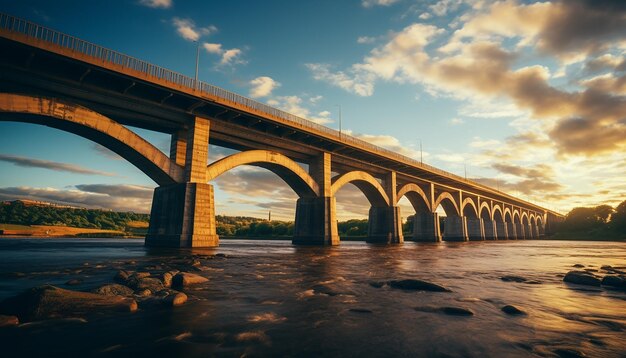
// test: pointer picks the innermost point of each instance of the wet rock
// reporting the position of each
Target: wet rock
(144, 293)
(512, 310)
(73, 282)
(113, 289)
(417, 285)
(578, 265)
(175, 299)
(360, 310)
(121, 276)
(323, 289)
(167, 279)
(7, 321)
(591, 270)
(606, 268)
(52, 302)
(140, 275)
(533, 282)
(569, 353)
(613, 281)
(513, 278)
(448, 310)
(221, 255)
(149, 283)
(183, 279)
(581, 278)
(377, 284)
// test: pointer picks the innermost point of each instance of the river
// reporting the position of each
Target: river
(269, 298)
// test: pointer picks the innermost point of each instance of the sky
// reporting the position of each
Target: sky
(528, 97)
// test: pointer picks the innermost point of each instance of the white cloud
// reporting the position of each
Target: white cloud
(227, 57)
(442, 7)
(357, 84)
(294, 105)
(425, 16)
(456, 121)
(371, 3)
(188, 30)
(262, 86)
(365, 40)
(164, 4)
(213, 48)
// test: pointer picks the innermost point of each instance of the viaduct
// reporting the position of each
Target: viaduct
(57, 80)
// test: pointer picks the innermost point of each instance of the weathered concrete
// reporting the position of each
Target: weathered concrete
(511, 229)
(501, 230)
(426, 228)
(474, 229)
(489, 227)
(384, 225)
(316, 222)
(530, 232)
(183, 215)
(455, 229)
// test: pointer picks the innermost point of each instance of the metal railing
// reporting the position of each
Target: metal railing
(32, 30)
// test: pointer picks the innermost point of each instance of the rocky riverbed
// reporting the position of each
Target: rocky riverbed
(115, 297)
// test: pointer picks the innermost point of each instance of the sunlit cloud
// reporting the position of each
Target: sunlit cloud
(188, 30)
(163, 4)
(372, 3)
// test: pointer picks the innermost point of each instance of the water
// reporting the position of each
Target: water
(268, 298)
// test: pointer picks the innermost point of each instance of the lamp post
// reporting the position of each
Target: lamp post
(421, 153)
(339, 106)
(197, 60)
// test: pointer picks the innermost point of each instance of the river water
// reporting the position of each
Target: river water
(269, 298)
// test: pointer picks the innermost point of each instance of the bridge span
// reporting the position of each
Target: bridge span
(60, 81)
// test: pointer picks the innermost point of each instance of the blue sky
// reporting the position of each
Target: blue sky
(525, 96)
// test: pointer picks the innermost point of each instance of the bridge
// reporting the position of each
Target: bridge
(53, 79)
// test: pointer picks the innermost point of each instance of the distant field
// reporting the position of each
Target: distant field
(48, 230)
(14, 227)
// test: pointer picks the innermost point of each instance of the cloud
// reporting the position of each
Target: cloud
(46, 164)
(111, 197)
(442, 7)
(365, 40)
(163, 4)
(362, 86)
(425, 16)
(262, 86)
(227, 57)
(372, 3)
(105, 152)
(188, 30)
(294, 105)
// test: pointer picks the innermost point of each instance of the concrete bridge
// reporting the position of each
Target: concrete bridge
(59, 81)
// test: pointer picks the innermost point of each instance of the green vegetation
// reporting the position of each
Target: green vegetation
(598, 223)
(16, 212)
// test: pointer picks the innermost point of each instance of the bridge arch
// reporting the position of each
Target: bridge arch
(417, 197)
(372, 189)
(484, 211)
(288, 170)
(446, 200)
(469, 209)
(93, 126)
(508, 215)
(496, 213)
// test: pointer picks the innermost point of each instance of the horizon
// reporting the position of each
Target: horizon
(544, 118)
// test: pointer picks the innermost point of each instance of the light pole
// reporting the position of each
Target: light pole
(197, 60)
(339, 106)
(421, 153)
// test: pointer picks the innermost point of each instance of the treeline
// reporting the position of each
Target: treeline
(600, 222)
(16, 212)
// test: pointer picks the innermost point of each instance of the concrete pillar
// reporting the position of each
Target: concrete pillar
(530, 231)
(385, 226)
(426, 227)
(520, 231)
(474, 229)
(316, 220)
(501, 230)
(489, 227)
(455, 229)
(512, 231)
(182, 215)
(385, 223)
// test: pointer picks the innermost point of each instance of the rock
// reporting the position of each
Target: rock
(6, 321)
(144, 293)
(532, 282)
(140, 275)
(52, 302)
(417, 285)
(578, 265)
(569, 353)
(512, 278)
(613, 281)
(512, 310)
(149, 283)
(606, 268)
(167, 279)
(73, 282)
(183, 279)
(377, 284)
(175, 299)
(582, 278)
(448, 310)
(323, 289)
(113, 289)
(121, 276)
(221, 255)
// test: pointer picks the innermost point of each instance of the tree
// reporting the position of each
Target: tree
(618, 219)
(603, 213)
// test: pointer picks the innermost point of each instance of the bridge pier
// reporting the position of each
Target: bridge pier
(511, 230)
(489, 227)
(384, 225)
(182, 215)
(316, 222)
(475, 229)
(455, 229)
(501, 230)
(426, 227)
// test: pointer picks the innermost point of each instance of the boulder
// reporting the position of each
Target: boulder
(149, 283)
(513, 278)
(6, 321)
(175, 299)
(121, 276)
(416, 285)
(47, 301)
(582, 278)
(613, 281)
(578, 265)
(183, 279)
(113, 289)
(167, 279)
(512, 310)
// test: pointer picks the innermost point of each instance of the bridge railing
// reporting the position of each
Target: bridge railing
(24, 27)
